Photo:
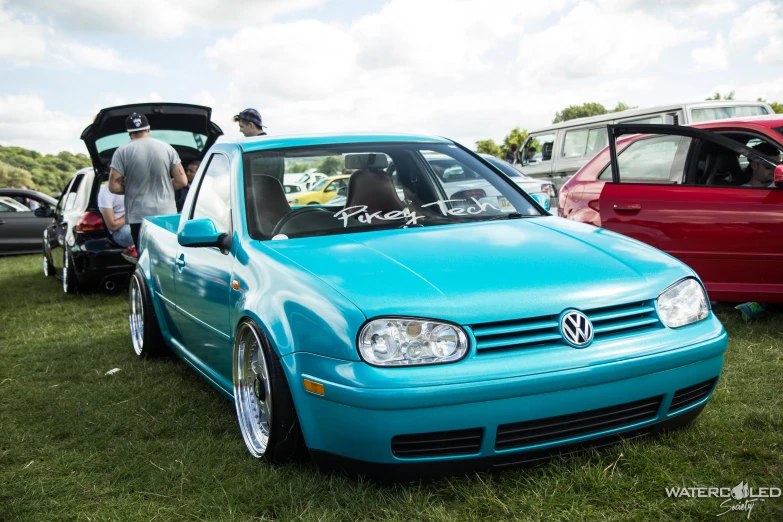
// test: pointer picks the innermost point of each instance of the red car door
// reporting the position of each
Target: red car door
(732, 236)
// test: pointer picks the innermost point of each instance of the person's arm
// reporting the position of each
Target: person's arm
(178, 177)
(116, 182)
(114, 224)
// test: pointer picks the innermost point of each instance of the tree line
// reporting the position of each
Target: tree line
(47, 173)
(518, 137)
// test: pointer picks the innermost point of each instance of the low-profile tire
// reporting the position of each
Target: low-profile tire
(47, 263)
(70, 284)
(265, 409)
(146, 337)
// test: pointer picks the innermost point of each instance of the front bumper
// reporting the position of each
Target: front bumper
(352, 427)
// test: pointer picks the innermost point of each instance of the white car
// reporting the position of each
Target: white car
(526, 183)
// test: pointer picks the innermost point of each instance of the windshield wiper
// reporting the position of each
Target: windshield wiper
(511, 215)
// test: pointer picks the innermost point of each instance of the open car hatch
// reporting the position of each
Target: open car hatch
(187, 128)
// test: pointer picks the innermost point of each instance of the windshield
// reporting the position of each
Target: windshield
(172, 137)
(321, 184)
(506, 168)
(392, 185)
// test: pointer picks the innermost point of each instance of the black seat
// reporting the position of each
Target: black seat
(270, 203)
(375, 190)
(724, 169)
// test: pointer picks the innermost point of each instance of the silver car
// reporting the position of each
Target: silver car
(526, 183)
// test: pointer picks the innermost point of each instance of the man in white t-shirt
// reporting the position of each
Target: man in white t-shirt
(113, 210)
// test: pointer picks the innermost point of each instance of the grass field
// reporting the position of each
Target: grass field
(155, 442)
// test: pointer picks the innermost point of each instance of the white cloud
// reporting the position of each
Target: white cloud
(455, 72)
(26, 42)
(158, 18)
(711, 58)
(679, 9)
(771, 90)
(27, 122)
(293, 60)
(761, 23)
(590, 42)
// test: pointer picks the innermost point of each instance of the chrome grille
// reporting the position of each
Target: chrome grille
(544, 330)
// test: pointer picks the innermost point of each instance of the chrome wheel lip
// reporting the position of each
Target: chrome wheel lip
(250, 370)
(45, 264)
(136, 316)
(65, 272)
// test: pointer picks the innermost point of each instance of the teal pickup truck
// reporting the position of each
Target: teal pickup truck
(412, 331)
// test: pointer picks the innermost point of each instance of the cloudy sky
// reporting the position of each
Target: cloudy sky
(466, 69)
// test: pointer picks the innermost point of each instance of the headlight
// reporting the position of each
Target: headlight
(405, 342)
(683, 303)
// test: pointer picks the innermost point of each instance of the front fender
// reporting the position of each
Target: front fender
(297, 311)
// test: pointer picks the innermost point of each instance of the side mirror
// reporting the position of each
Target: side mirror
(779, 176)
(542, 200)
(343, 191)
(201, 233)
(44, 211)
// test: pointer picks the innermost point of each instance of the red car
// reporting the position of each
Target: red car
(685, 190)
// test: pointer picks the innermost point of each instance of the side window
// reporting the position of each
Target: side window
(649, 119)
(659, 159)
(73, 193)
(586, 143)
(539, 148)
(213, 200)
(61, 200)
(715, 165)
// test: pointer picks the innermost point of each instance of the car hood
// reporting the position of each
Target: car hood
(482, 272)
(161, 116)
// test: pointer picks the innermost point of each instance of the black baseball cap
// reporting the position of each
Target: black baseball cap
(136, 122)
(251, 115)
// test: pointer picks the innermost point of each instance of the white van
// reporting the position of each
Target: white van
(558, 151)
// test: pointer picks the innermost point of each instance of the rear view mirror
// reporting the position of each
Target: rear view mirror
(44, 211)
(779, 176)
(366, 161)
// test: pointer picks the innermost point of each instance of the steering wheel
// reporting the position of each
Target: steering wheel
(297, 215)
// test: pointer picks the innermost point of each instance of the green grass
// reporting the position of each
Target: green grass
(155, 442)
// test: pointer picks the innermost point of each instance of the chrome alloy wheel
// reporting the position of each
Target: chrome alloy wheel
(65, 272)
(252, 390)
(46, 263)
(136, 316)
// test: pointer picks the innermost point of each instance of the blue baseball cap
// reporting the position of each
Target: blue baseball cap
(251, 115)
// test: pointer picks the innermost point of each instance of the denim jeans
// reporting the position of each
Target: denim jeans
(123, 236)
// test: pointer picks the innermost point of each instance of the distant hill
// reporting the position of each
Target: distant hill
(47, 173)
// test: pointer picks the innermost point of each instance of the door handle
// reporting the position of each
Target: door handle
(627, 207)
(2, 222)
(180, 262)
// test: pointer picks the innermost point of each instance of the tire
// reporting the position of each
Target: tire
(47, 264)
(265, 409)
(70, 284)
(146, 337)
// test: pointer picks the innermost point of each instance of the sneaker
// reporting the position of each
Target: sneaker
(131, 255)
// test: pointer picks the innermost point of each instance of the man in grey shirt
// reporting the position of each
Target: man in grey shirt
(147, 171)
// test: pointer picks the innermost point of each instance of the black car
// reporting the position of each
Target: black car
(20, 229)
(77, 245)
